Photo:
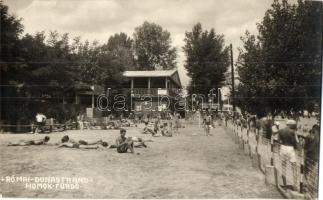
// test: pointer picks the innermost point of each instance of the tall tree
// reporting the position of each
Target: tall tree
(101, 64)
(207, 59)
(11, 30)
(152, 47)
(120, 47)
(252, 76)
(280, 70)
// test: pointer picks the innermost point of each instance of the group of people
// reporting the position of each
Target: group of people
(123, 143)
(161, 127)
(287, 139)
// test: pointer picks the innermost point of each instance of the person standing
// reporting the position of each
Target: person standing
(226, 118)
(312, 150)
(40, 122)
(156, 126)
(80, 121)
(176, 122)
(274, 130)
(288, 140)
(207, 121)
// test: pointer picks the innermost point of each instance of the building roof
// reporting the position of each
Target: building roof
(172, 74)
(156, 73)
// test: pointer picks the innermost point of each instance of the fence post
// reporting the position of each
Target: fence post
(242, 137)
(302, 172)
(272, 153)
(301, 184)
(32, 127)
(249, 147)
(51, 125)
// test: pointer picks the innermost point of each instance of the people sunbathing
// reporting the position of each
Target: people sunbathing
(30, 142)
(81, 144)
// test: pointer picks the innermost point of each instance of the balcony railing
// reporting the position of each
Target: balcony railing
(154, 91)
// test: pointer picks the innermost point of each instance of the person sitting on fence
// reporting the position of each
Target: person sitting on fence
(123, 144)
(30, 142)
(288, 141)
(40, 122)
(67, 142)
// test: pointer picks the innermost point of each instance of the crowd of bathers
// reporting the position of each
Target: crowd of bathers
(123, 143)
(156, 127)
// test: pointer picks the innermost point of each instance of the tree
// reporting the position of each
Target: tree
(11, 30)
(280, 69)
(252, 76)
(120, 48)
(47, 68)
(103, 64)
(207, 60)
(152, 47)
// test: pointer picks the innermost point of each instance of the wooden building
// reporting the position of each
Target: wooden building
(162, 86)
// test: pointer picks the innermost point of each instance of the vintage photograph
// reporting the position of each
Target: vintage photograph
(160, 99)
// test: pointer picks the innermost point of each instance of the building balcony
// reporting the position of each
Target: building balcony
(155, 91)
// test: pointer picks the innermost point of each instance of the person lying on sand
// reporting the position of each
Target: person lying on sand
(139, 139)
(138, 142)
(81, 144)
(30, 142)
(78, 146)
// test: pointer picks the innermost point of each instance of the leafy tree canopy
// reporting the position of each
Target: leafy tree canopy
(207, 59)
(280, 69)
(152, 47)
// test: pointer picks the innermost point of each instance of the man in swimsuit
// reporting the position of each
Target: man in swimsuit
(207, 123)
(30, 142)
(288, 140)
(123, 143)
(81, 144)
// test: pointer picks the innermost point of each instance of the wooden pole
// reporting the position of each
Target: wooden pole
(232, 79)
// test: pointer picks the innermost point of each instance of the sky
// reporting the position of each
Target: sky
(99, 19)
